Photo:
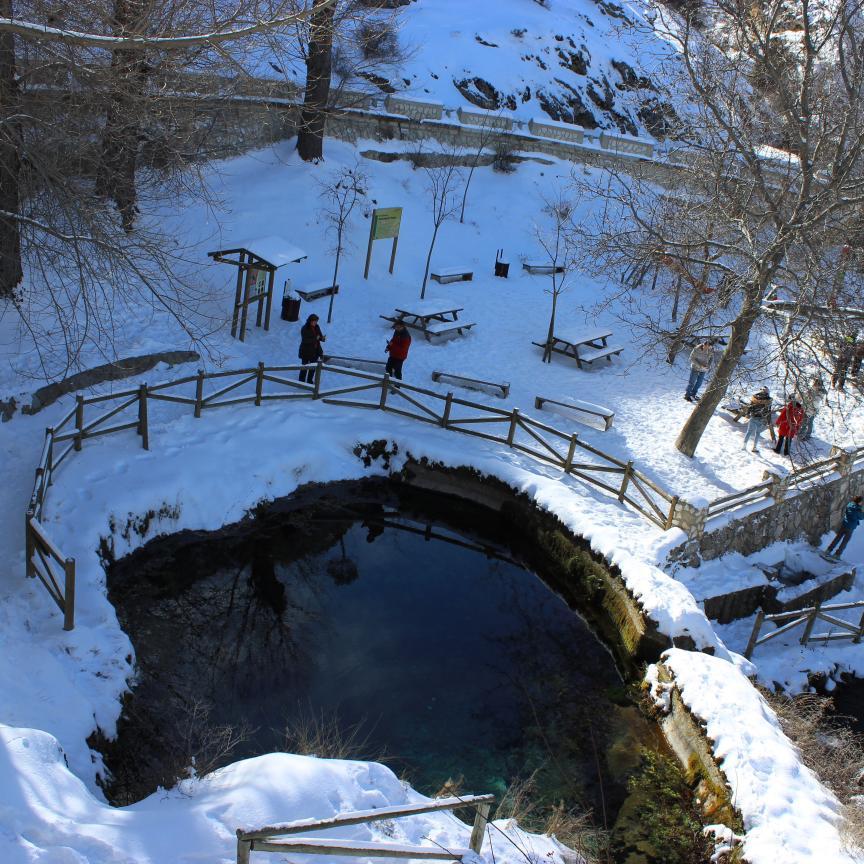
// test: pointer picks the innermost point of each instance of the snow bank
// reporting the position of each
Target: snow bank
(788, 815)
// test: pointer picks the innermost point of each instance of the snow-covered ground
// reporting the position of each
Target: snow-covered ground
(66, 684)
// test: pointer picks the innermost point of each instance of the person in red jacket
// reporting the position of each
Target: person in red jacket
(397, 349)
(788, 423)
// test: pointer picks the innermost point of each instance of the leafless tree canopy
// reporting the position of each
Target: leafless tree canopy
(767, 192)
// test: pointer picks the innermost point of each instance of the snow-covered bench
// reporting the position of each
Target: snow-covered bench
(452, 274)
(606, 415)
(444, 327)
(539, 268)
(355, 363)
(317, 290)
(585, 347)
(502, 389)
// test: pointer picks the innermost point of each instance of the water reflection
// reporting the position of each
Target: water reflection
(455, 663)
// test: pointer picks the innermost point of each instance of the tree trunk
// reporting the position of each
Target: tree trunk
(691, 431)
(319, 61)
(11, 272)
(547, 351)
(115, 177)
(428, 262)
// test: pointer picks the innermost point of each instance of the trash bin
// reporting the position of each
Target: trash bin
(290, 303)
(502, 268)
(290, 309)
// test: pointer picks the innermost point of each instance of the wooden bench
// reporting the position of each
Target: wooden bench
(317, 290)
(440, 328)
(503, 389)
(452, 274)
(540, 269)
(356, 363)
(605, 414)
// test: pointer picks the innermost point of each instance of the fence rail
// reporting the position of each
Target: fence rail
(129, 410)
(777, 487)
(848, 631)
(264, 839)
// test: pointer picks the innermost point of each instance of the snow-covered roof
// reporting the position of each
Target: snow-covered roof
(273, 249)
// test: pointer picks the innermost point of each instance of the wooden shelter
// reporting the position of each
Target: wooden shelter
(257, 262)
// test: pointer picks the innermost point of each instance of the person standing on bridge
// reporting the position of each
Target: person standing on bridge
(397, 350)
(851, 517)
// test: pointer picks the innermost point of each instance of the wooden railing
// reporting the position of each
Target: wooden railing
(128, 410)
(808, 617)
(803, 476)
(265, 839)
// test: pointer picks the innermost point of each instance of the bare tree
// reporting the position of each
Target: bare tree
(339, 195)
(319, 65)
(770, 171)
(443, 177)
(556, 237)
(487, 133)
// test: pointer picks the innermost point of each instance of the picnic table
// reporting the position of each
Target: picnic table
(431, 318)
(584, 346)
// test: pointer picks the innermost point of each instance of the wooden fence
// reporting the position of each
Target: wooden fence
(803, 476)
(129, 410)
(265, 839)
(848, 631)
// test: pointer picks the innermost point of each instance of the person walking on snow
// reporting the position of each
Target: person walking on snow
(311, 351)
(759, 412)
(397, 350)
(701, 358)
(851, 517)
(812, 397)
(788, 423)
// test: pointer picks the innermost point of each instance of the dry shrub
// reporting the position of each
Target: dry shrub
(318, 734)
(831, 749)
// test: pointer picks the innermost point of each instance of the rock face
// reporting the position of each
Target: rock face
(535, 59)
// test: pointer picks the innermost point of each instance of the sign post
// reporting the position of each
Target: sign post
(385, 225)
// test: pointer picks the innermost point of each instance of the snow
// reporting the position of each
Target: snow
(212, 470)
(274, 250)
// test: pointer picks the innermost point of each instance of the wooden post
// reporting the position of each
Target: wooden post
(269, 300)
(571, 451)
(369, 249)
(316, 385)
(811, 623)
(199, 393)
(393, 252)
(625, 481)
(244, 309)
(860, 633)
(244, 847)
(385, 388)
(448, 405)
(754, 634)
(259, 383)
(143, 431)
(480, 820)
(69, 595)
(238, 293)
(511, 433)
(670, 519)
(29, 546)
(79, 420)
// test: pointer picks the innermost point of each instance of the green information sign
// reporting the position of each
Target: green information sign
(385, 226)
(386, 222)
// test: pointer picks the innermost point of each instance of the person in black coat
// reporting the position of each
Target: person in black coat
(311, 351)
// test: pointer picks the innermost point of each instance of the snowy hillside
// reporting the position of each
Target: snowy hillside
(572, 60)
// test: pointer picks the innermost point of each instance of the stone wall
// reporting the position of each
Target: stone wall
(789, 514)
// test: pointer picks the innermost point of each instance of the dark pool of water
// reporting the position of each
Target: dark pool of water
(451, 662)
